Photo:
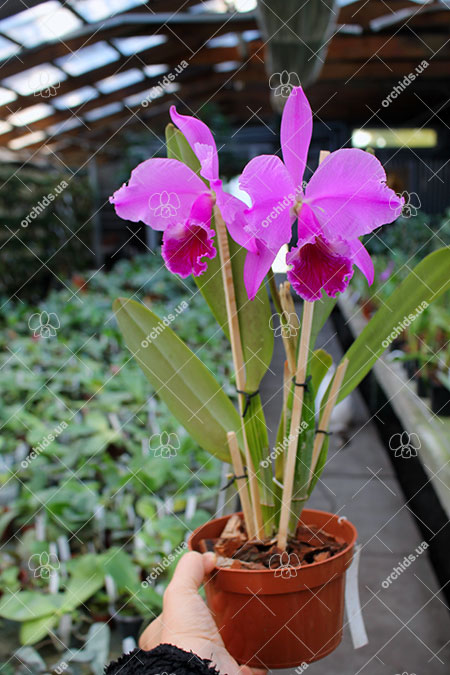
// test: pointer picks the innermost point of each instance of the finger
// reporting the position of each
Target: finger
(189, 573)
(246, 670)
(151, 637)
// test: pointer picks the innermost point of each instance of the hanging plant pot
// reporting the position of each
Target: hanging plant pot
(272, 620)
(440, 400)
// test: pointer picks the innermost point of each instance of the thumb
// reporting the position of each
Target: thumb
(190, 572)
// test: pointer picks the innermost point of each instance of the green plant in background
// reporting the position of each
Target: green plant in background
(39, 212)
(99, 483)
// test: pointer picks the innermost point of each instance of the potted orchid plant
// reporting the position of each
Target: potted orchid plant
(280, 561)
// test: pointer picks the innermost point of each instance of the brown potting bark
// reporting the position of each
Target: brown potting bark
(235, 551)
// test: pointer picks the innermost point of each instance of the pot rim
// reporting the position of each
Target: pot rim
(313, 565)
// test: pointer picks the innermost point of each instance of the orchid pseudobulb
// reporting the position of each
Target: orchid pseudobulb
(346, 198)
(168, 196)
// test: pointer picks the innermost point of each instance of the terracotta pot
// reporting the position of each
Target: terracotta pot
(270, 620)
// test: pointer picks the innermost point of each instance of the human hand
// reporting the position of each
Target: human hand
(186, 621)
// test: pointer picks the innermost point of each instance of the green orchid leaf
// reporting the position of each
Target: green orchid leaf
(322, 310)
(424, 284)
(182, 381)
(320, 465)
(34, 630)
(320, 363)
(28, 605)
(254, 316)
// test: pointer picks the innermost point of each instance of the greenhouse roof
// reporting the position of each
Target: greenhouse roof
(74, 70)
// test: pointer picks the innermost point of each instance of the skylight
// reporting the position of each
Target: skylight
(134, 45)
(31, 114)
(96, 10)
(75, 98)
(71, 123)
(28, 139)
(227, 40)
(394, 138)
(4, 127)
(6, 96)
(103, 111)
(40, 78)
(88, 58)
(7, 48)
(119, 80)
(156, 69)
(47, 21)
(226, 66)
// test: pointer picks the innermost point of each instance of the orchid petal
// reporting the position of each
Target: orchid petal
(233, 212)
(362, 259)
(201, 140)
(349, 196)
(272, 191)
(159, 192)
(295, 134)
(316, 266)
(185, 244)
(256, 267)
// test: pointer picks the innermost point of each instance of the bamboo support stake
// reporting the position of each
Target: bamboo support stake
(241, 482)
(326, 416)
(238, 359)
(300, 377)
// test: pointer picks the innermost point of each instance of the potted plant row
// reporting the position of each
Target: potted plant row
(276, 592)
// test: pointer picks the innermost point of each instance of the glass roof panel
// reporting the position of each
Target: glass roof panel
(136, 44)
(47, 21)
(96, 10)
(6, 96)
(40, 78)
(71, 123)
(4, 127)
(226, 66)
(31, 114)
(88, 58)
(119, 80)
(156, 69)
(28, 139)
(227, 40)
(7, 48)
(103, 111)
(75, 98)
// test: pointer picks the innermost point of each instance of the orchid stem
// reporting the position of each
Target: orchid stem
(300, 381)
(274, 292)
(238, 362)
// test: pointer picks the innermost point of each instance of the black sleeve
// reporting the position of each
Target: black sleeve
(163, 659)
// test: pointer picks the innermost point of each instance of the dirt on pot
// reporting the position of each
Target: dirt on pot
(235, 551)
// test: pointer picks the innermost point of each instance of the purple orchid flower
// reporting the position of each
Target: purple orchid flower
(346, 198)
(168, 196)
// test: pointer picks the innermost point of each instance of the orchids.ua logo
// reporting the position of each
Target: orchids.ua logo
(43, 84)
(283, 83)
(44, 324)
(405, 445)
(285, 564)
(164, 445)
(164, 204)
(43, 565)
(287, 327)
(410, 206)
